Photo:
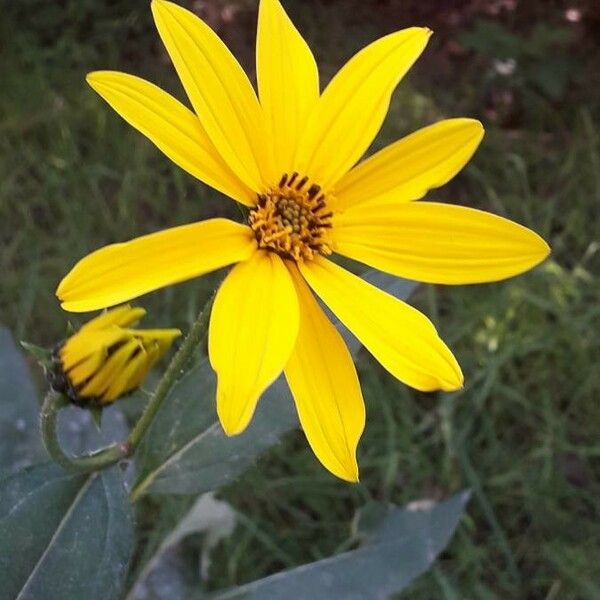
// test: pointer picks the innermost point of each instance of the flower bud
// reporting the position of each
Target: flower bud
(106, 358)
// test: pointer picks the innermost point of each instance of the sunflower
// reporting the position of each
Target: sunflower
(107, 358)
(289, 154)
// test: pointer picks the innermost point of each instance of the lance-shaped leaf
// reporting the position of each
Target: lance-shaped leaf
(403, 547)
(63, 536)
(186, 451)
(20, 442)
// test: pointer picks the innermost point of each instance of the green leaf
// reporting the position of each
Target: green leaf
(20, 443)
(186, 451)
(403, 547)
(63, 536)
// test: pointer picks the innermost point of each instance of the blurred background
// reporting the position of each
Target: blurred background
(523, 434)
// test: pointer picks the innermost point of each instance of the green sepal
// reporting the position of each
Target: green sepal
(96, 412)
(42, 355)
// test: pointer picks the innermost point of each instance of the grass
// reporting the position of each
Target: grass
(523, 435)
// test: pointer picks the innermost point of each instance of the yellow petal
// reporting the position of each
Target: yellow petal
(82, 345)
(119, 272)
(253, 327)
(437, 243)
(408, 168)
(353, 106)
(122, 316)
(218, 89)
(163, 337)
(174, 129)
(402, 339)
(131, 375)
(139, 367)
(120, 383)
(288, 80)
(110, 370)
(85, 369)
(323, 381)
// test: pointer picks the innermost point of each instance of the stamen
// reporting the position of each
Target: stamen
(290, 219)
(301, 183)
(313, 190)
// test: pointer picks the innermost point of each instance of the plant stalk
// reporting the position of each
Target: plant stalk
(193, 339)
(53, 404)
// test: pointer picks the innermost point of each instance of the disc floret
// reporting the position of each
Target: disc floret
(292, 219)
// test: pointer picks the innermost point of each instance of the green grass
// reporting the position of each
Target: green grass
(523, 435)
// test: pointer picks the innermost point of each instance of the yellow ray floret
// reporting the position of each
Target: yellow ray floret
(437, 243)
(106, 358)
(325, 386)
(291, 155)
(253, 327)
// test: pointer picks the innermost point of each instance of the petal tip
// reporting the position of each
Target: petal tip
(478, 126)
(156, 6)
(545, 249)
(348, 472)
(95, 79)
(161, 5)
(453, 380)
(354, 477)
(540, 249)
(74, 307)
(459, 382)
(229, 432)
(232, 420)
(230, 426)
(457, 385)
(452, 386)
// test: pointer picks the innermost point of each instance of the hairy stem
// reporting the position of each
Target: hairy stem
(53, 403)
(193, 339)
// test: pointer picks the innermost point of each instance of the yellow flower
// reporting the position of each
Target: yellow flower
(105, 359)
(289, 155)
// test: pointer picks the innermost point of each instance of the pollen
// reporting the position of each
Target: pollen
(292, 219)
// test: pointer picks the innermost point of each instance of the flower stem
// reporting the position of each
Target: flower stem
(193, 339)
(55, 402)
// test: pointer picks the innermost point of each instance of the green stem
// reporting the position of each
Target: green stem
(193, 339)
(53, 403)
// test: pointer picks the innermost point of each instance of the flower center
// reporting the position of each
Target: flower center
(292, 219)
